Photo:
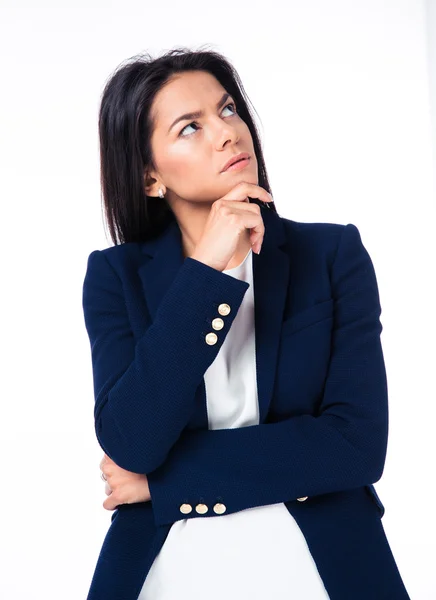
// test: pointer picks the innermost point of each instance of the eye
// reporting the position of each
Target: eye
(231, 104)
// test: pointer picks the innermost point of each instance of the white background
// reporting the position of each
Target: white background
(345, 91)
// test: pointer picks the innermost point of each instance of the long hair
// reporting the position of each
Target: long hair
(125, 128)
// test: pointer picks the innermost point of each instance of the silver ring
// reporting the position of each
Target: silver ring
(102, 475)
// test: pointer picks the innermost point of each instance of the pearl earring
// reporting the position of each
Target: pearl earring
(160, 193)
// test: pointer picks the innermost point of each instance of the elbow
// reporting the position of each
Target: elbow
(378, 465)
(128, 452)
(121, 451)
(377, 457)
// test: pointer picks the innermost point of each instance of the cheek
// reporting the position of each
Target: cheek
(184, 162)
(189, 172)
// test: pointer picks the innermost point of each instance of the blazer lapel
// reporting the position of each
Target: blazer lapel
(163, 257)
(271, 274)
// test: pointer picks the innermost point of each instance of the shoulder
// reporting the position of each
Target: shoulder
(320, 231)
(316, 238)
(119, 256)
(109, 267)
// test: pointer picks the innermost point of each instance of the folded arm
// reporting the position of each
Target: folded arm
(342, 448)
(145, 389)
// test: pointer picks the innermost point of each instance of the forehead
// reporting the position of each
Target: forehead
(185, 92)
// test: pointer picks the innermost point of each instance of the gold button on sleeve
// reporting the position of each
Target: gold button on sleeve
(219, 508)
(224, 309)
(185, 509)
(201, 509)
(211, 338)
(218, 323)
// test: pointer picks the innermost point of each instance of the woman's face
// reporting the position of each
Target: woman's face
(190, 153)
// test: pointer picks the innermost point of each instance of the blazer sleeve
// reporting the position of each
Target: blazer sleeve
(341, 448)
(145, 388)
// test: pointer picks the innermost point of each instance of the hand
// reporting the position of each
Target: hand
(228, 218)
(123, 487)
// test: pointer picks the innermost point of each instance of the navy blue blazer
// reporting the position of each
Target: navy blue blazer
(322, 437)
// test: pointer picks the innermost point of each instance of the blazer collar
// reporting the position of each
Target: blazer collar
(162, 258)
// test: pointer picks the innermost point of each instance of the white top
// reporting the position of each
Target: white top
(255, 553)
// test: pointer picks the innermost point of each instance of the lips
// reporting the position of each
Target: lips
(234, 159)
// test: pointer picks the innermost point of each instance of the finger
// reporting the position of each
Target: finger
(111, 502)
(251, 219)
(257, 231)
(244, 189)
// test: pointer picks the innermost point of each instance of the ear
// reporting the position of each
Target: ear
(151, 184)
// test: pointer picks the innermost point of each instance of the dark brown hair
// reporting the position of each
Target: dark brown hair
(125, 129)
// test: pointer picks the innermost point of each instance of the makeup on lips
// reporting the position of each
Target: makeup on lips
(237, 162)
(237, 166)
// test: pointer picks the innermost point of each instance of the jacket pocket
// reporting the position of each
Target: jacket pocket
(307, 317)
(375, 497)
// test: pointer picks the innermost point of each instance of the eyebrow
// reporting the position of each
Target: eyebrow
(199, 113)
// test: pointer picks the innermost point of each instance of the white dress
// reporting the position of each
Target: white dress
(252, 554)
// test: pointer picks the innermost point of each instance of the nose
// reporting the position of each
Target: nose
(225, 133)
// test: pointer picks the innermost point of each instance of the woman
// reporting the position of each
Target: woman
(239, 381)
